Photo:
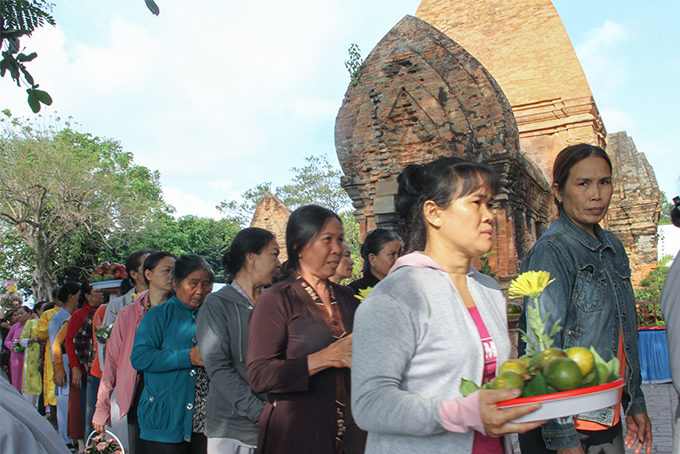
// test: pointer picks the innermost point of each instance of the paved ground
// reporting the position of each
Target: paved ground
(662, 400)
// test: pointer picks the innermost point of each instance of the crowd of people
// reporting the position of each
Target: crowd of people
(287, 359)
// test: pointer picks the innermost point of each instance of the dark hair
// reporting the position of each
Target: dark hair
(251, 240)
(571, 156)
(304, 225)
(187, 264)
(675, 212)
(26, 309)
(152, 261)
(55, 293)
(441, 181)
(39, 306)
(374, 243)
(85, 289)
(48, 305)
(132, 263)
(68, 289)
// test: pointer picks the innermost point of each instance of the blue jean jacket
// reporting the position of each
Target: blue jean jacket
(593, 297)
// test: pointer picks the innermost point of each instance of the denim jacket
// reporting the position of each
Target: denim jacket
(593, 298)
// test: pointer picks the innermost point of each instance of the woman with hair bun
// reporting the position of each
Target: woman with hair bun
(380, 250)
(435, 320)
(300, 345)
(232, 409)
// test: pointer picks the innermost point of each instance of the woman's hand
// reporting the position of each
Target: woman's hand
(338, 354)
(497, 422)
(100, 428)
(59, 378)
(195, 357)
(77, 377)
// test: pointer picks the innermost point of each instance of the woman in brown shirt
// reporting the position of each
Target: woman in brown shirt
(300, 345)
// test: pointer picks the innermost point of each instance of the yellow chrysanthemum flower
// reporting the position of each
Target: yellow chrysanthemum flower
(12, 288)
(363, 293)
(530, 283)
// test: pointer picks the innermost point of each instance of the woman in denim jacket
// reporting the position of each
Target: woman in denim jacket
(593, 298)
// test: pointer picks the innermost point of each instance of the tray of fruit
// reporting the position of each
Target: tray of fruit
(565, 382)
(108, 275)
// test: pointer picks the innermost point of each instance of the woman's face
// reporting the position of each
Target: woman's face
(137, 275)
(465, 226)
(95, 298)
(193, 289)
(346, 265)
(161, 277)
(22, 316)
(587, 192)
(382, 262)
(265, 265)
(321, 256)
(73, 298)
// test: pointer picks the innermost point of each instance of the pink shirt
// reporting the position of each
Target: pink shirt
(118, 371)
(484, 444)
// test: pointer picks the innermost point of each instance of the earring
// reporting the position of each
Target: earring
(437, 222)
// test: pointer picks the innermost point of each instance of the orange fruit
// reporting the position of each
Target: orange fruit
(546, 356)
(563, 374)
(513, 365)
(507, 379)
(582, 357)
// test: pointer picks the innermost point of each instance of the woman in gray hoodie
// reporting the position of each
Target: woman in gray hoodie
(232, 409)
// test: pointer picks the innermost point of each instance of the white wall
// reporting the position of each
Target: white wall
(669, 240)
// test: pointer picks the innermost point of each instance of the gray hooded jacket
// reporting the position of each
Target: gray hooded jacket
(232, 409)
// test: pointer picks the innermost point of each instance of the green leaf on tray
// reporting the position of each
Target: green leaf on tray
(467, 387)
(536, 386)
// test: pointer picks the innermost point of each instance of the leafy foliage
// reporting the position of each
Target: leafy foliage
(20, 18)
(354, 64)
(650, 287)
(666, 207)
(318, 182)
(63, 191)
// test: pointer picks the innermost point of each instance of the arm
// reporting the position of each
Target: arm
(73, 327)
(268, 368)
(9, 342)
(58, 355)
(384, 343)
(102, 413)
(25, 338)
(44, 325)
(212, 332)
(147, 352)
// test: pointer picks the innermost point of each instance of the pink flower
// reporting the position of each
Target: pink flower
(102, 446)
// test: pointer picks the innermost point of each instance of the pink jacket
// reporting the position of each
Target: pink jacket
(118, 371)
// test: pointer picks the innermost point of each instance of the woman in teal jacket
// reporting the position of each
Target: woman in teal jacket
(166, 355)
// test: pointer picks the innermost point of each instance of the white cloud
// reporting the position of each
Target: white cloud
(186, 204)
(604, 60)
(616, 120)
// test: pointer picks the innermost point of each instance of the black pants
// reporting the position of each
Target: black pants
(608, 441)
(197, 445)
(136, 444)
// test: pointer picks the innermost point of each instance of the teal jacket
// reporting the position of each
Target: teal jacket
(161, 350)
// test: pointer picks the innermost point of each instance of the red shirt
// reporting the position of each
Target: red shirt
(74, 325)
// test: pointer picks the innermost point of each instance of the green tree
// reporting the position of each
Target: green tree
(650, 287)
(318, 182)
(666, 207)
(60, 187)
(21, 18)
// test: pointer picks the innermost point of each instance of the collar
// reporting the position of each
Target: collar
(590, 242)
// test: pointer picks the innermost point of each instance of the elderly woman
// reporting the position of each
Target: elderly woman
(380, 250)
(166, 352)
(593, 297)
(433, 321)
(232, 409)
(16, 362)
(345, 267)
(300, 346)
(118, 371)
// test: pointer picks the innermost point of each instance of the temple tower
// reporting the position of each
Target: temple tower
(422, 96)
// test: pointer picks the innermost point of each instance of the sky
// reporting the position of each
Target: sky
(220, 96)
